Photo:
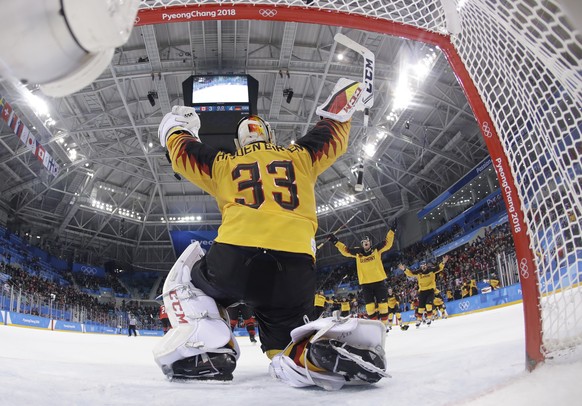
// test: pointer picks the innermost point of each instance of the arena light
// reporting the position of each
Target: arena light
(410, 80)
(38, 105)
(370, 149)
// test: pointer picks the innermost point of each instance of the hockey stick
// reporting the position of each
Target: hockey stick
(340, 228)
(326, 279)
(368, 98)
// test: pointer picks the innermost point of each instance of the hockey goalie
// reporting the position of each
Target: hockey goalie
(263, 256)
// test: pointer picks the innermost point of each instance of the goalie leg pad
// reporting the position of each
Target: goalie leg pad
(199, 328)
(343, 101)
(349, 350)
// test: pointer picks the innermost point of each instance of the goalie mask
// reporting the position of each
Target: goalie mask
(253, 129)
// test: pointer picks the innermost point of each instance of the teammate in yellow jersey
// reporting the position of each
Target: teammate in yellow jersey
(345, 307)
(263, 255)
(394, 310)
(439, 305)
(371, 273)
(426, 277)
(493, 281)
(319, 304)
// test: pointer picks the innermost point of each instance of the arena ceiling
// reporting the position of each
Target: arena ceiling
(116, 193)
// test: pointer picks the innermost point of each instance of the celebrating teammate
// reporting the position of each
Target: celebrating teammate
(319, 304)
(371, 273)
(394, 310)
(426, 277)
(439, 305)
(263, 255)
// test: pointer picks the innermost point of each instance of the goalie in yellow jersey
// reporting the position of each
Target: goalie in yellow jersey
(371, 273)
(264, 255)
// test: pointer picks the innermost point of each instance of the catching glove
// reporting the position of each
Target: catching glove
(191, 121)
(342, 103)
(180, 118)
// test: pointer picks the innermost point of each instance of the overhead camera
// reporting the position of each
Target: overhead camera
(288, 93)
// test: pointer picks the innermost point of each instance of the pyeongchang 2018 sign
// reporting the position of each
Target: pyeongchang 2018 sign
(181, 239)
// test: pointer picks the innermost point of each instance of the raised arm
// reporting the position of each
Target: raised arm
(407, 271)
(386, 244)
(329, 138)
(178, 131)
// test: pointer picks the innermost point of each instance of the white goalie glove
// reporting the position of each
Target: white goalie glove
(180, 118)
(342, 350)
(343, 101)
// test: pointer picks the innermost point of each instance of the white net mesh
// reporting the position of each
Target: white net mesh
(525, 61)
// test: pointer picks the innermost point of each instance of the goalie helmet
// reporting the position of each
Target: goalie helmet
(253, 129)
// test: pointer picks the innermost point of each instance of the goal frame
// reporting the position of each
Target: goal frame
(290, 13)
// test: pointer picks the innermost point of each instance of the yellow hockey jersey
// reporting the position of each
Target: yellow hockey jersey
(426, 280)
(393, 300)
(345, 306)
(265, 192)
(320, 300)
(368, 264)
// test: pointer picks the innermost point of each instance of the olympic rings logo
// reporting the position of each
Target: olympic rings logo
(268, 13)
(524, 268)
(464, 306)
(87, 270)
(487, 130)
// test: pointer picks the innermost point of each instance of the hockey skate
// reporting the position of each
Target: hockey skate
(404, 327)
(418, 323)
(253, 339)
(206, 366)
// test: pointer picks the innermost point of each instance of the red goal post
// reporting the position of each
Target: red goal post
(518, 62)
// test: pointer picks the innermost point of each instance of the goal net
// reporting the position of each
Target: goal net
(519, 63)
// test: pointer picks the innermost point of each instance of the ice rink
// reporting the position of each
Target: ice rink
(476, 359)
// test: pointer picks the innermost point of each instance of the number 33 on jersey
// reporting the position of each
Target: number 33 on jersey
(264, 181)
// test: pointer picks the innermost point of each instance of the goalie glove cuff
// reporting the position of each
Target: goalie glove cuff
(343, 101)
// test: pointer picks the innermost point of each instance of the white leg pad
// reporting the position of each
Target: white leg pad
(355, 332)
(189, 340)
(198, 325)
(360, 333)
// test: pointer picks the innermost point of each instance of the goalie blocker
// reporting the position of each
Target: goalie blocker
(342, 102)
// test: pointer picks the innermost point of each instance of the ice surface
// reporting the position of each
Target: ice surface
(476, 359)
